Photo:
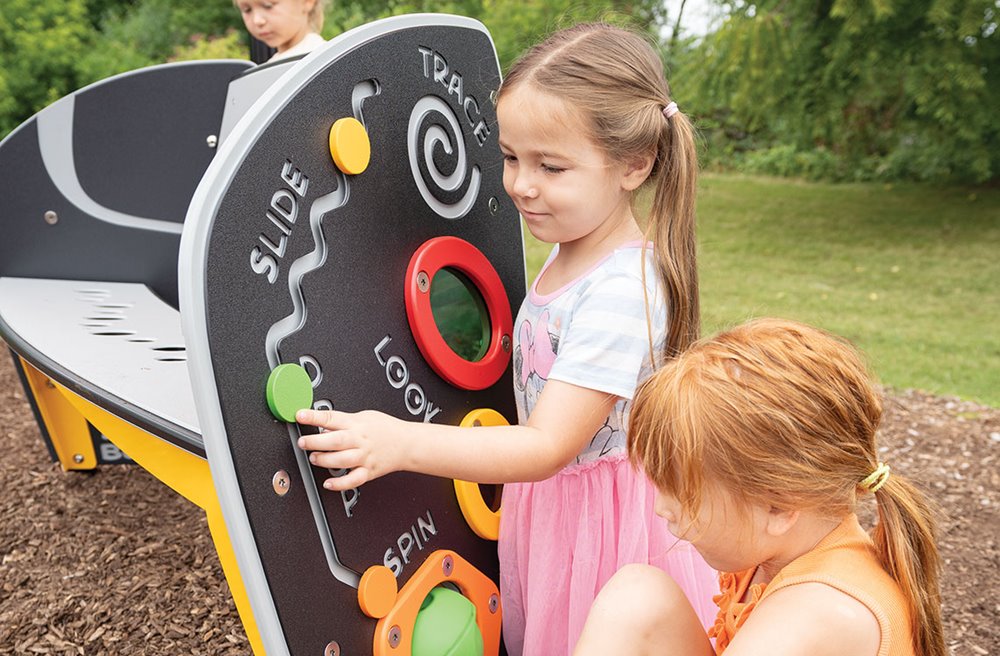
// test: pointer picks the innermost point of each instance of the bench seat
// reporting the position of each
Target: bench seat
(116, 344)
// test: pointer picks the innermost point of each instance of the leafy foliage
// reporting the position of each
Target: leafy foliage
(880, 89)
(823, 89)
(40, 43)
(48, 48)
(514, 24)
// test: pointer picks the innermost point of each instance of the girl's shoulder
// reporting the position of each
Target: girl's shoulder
(623, 267)
(618, 271)
(628, 272)
(808, 618)
(629, 258)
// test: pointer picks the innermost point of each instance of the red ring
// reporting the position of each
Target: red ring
(452, 252)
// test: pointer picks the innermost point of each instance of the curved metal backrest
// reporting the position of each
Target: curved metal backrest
(96, 186)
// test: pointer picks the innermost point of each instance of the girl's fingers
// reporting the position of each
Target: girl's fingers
(328, 419)
(348, 459)
(337, 440)
(348, 481)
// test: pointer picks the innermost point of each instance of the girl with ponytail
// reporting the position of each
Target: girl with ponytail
(761, 442)
(585, 120)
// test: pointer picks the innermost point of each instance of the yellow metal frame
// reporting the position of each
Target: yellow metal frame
(66, 415)
(67, 428)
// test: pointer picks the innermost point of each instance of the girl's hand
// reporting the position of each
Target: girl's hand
(372, 444)
(368, 443)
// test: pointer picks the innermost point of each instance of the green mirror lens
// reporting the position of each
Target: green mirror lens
(460, 314)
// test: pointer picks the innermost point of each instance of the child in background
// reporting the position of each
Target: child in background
(759, 442)
(290, 26)
(585, 120)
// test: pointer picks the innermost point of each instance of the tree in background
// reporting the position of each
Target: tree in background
(851, 89)
(514, 24)
(49, 48)
(832, 89)
(41, 42)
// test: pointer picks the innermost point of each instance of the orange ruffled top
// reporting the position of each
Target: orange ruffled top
(733, 612)
(845, 560)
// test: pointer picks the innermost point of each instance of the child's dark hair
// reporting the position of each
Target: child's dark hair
(783, 414)
(615, 79)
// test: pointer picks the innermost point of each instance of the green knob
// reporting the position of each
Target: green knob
(446, 626)
(289, 389)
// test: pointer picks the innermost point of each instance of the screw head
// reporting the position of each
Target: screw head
(395, 636)
(423, 281)
(505, 343)
(212, 141)
(51, 217)
(332, 649)
(281, 483)
(78, 458)
(494, 603)
(494, 205)
(448, 565)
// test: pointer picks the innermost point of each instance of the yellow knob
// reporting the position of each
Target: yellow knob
(349, 146)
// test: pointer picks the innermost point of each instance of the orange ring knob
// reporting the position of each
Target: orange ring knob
(377, 591)
(484, 522)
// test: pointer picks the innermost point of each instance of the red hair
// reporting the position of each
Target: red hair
(783, 414)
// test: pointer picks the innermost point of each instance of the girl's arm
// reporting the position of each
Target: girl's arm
(809, 619)
(372, 444)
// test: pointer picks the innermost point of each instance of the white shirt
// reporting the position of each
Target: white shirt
(308, 43)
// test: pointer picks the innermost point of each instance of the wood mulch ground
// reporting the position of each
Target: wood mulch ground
(112, 562)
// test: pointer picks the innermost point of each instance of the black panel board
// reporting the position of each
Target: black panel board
(140, 144)
(353, 302)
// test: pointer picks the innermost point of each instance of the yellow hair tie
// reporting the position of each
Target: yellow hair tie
(874, 482)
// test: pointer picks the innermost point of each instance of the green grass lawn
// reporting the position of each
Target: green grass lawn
(911, 274)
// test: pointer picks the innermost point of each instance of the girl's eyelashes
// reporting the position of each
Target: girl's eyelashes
(509, 159)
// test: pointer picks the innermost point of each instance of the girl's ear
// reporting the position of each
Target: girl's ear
(779, 522)
(637, 171)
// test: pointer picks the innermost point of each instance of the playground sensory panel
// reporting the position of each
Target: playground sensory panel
(287, 259)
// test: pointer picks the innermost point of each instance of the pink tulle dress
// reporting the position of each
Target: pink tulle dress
(561, 539)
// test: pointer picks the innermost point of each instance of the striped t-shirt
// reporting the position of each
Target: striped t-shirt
(593, 333)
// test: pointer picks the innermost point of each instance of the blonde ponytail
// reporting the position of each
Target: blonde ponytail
(671, 228)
